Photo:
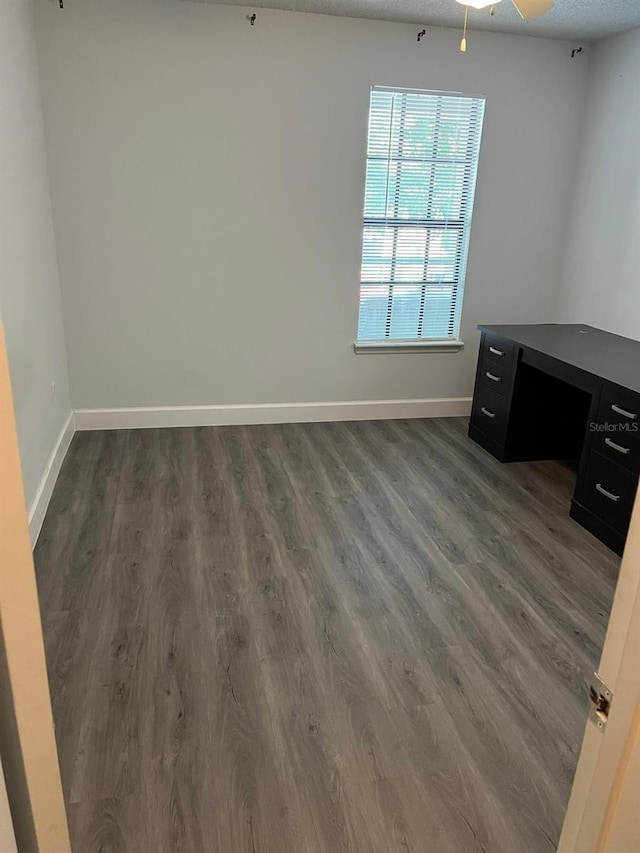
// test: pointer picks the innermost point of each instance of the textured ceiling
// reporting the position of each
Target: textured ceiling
(570, 19)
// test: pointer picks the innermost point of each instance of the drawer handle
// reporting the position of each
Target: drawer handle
(487, 412)
(607, 494)
(496, 351)
(624, 412)
(618, 447)
(493, 377)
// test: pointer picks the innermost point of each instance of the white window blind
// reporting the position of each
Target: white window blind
(422, 158)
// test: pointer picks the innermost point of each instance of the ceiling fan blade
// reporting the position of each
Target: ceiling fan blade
(532, 8)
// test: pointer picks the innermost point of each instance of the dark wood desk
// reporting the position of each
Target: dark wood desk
(565, 392)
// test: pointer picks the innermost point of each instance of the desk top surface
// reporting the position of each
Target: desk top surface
(599, 353)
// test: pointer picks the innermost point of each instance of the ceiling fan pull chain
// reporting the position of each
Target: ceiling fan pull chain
(463, 43)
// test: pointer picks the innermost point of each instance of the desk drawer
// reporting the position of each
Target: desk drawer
(623, 448)
(608, 491)
(496, 349)
(620, 409)
(496, 375)
(489, 413)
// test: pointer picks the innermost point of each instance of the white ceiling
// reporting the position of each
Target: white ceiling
(584, 20)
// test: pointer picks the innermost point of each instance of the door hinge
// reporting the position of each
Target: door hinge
(601, 698)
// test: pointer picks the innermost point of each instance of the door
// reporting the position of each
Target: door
(604, 808)
(7, 835)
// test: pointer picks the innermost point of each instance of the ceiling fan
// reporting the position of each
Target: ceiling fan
(527, 8)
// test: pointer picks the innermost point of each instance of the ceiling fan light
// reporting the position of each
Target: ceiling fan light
(532, 8)
(479, 4)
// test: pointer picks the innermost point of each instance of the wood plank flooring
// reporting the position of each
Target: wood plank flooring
(316, 638)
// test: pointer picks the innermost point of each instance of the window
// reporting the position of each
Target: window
(422, 158)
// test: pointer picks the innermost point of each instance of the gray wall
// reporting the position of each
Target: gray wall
(29, 289)
(207, 180)
(601, 279)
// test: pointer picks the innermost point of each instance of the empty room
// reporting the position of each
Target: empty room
(320, 401)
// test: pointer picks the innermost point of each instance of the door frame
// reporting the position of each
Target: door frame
(27, 740)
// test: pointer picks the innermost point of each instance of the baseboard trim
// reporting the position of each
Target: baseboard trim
(40, 502)
(231, 415)
(270, 413)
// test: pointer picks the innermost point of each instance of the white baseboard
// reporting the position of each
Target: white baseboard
(262, 413)
(270, 413)
(40, 502)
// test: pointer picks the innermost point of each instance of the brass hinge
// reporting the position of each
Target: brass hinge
(601, 698)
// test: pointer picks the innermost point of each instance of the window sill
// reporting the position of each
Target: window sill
(368, 347)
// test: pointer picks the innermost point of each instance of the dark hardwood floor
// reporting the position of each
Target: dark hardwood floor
(317, 638)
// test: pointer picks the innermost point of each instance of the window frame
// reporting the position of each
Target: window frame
(461, 224)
